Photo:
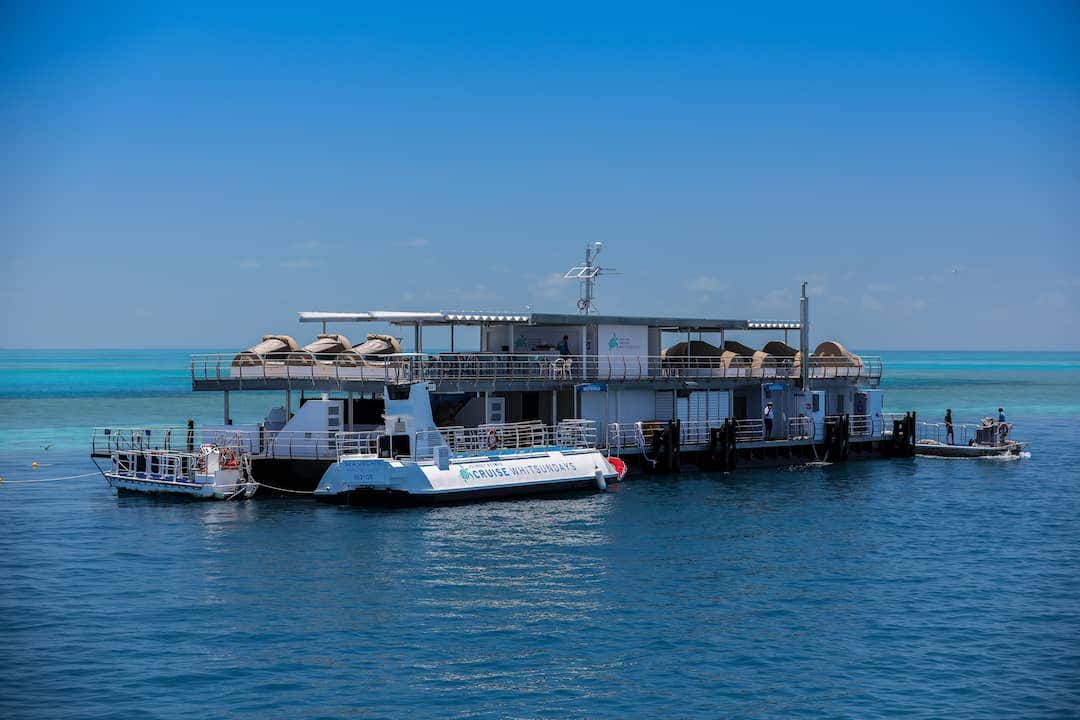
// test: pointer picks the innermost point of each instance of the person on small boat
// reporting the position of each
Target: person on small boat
(768, 420)
(1001, 415)
(950, 437)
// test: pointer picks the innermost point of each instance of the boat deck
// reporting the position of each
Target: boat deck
(454, 372)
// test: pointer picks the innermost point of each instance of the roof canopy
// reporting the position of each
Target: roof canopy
(677, 324)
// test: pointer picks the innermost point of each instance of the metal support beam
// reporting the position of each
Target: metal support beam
(451, 337)
(584, 354)
(228, 421)
(554, 408)
(348, 410)
(288, 405)
(804, 340)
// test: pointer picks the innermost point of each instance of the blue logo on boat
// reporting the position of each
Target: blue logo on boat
(465, 474)
(613, 342)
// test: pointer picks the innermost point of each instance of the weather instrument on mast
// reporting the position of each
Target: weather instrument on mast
(586, 275)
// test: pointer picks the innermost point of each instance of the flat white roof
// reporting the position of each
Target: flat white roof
(684, 324)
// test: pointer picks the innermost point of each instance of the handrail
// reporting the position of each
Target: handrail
(528, 367)
(508, 438)
(259, 444)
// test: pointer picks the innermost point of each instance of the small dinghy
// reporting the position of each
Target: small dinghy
(990, 439)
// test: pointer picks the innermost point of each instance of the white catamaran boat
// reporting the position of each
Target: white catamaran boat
(411, 461)
(142, 461)
(988, 439)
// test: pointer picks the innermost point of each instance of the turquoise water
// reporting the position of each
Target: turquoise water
(921, 588)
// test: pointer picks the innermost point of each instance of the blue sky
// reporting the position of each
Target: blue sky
(193, 176)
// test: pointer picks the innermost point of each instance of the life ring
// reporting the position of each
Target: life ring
(494, 439)
(618, 466)
(228, 459)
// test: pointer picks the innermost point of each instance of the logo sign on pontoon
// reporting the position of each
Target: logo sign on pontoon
(491, 472)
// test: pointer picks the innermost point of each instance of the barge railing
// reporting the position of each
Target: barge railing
(641, 435)
(337, 369)
(492, 439)
(258, 443)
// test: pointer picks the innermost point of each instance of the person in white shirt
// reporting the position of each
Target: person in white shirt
(768, 420)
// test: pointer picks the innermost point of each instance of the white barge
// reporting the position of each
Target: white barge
(661, 393)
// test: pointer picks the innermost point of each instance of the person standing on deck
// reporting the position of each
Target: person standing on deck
(1002, 426)
(768, 420)
(564, 346)
(949, 436)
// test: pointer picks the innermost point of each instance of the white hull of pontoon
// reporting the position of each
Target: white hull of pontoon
(358, 479)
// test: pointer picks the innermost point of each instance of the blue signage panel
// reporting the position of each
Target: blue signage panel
(775, 386)
(592, 387)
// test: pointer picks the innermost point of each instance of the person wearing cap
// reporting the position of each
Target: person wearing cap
(768, 420)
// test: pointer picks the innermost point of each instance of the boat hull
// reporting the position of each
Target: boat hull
(379, 481)
(287, 477)
(934, 449)
(218, 489)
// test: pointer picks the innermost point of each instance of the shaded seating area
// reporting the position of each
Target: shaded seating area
(781, 355)
(695, 353)
(272, 347)
(737, 355)
(374, 345)
(832, 354)
(323, 345)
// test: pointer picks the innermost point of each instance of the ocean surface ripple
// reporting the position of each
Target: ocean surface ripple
(917, 588)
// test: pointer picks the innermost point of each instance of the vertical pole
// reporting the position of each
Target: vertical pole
(288, 405)
(511, 326)
(804, 339)
(416, 338)
(348, 411)
(451, 338)
(227, 420)
(554, 408)
(487, 416)
(584, 357)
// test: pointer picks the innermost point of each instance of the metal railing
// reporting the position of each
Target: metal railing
(162, 465)
(800, 428)
(863, 426)
(963, 433)
(749, 430)
(641, 435)
(514, 367)
(364, 443)
(259, 444)
(505, 438)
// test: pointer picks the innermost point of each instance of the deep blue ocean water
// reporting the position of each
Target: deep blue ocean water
(913, 588)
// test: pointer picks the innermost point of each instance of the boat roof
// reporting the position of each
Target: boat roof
(684, 324)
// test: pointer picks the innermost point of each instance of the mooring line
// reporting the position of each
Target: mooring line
(4, 481)
(285, 490)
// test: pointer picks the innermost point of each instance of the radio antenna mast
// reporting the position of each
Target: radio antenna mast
(586, 275)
